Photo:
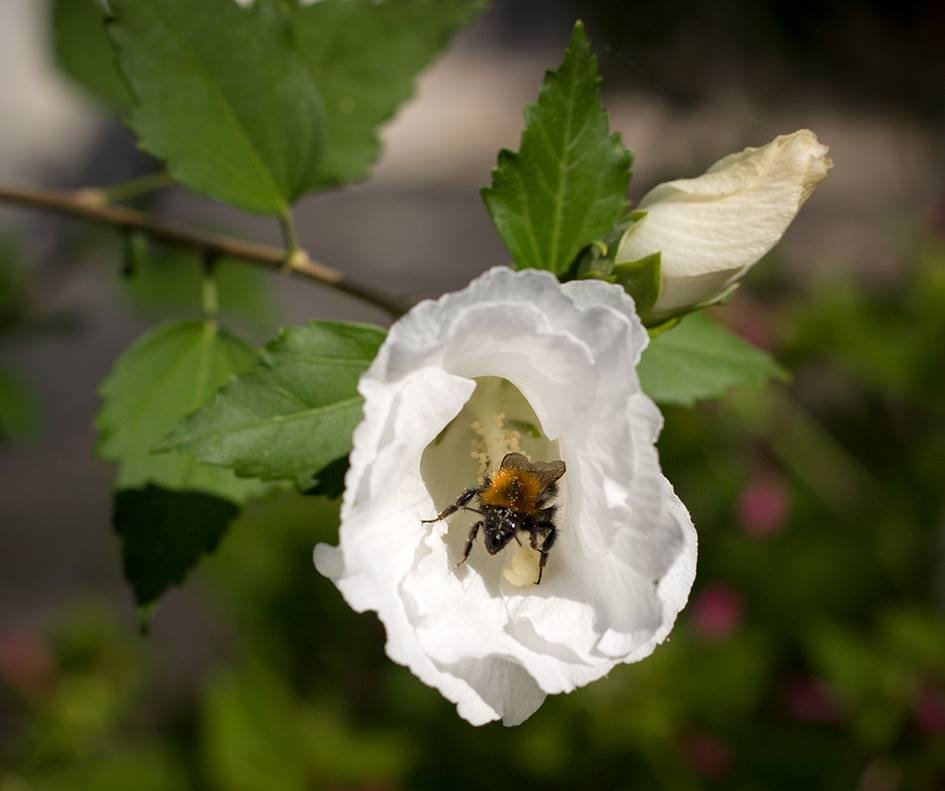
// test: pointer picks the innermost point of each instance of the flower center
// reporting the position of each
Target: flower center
(496, 420)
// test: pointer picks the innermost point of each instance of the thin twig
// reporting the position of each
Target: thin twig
(77, 204)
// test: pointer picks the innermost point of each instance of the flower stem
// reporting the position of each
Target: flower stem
(77, 204)
(209, 296)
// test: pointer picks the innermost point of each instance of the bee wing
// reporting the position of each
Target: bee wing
(515, 461)
(547, 472)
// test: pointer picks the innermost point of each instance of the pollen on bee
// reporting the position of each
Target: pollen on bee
(523, 571)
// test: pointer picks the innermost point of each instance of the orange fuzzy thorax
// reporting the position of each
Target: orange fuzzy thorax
(513, 488)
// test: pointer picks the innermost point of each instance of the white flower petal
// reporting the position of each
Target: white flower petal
(710, 230)
(516, 346)
(502, 685)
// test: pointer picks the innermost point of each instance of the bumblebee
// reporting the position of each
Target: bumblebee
(516, 499)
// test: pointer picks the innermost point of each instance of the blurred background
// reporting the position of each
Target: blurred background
(812, 653)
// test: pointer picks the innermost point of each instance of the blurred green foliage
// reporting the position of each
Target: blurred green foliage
(18, 417)
(812, 653)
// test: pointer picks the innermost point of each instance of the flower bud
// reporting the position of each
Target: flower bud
(711, 230)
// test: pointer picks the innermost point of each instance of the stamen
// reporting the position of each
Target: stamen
(492, 441)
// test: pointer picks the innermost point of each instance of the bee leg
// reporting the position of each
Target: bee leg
(550, 533)
(473, 532)
(461, 501)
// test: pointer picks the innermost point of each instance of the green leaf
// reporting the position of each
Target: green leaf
(223, 97)
(83, 51)
(164, 533)
(567, 185)
(293, 414)
(164, 375)
(700, 359)
(364, 56)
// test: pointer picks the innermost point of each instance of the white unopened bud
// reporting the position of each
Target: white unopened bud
(711, 230)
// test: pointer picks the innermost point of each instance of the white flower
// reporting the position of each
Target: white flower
(515, 361)
(712, 229)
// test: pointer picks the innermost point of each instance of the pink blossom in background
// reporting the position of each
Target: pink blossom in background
(928, 709)
(708, 755)
(808, 699)
(763, 504)
(752, 321)
(25, 663)
(717, 611)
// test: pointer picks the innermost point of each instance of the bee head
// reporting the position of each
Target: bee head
(495, 540)
(499, 530)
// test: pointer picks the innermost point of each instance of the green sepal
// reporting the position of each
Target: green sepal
(642, 280)
(722, 298)
(656, 330)
(596, 260)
